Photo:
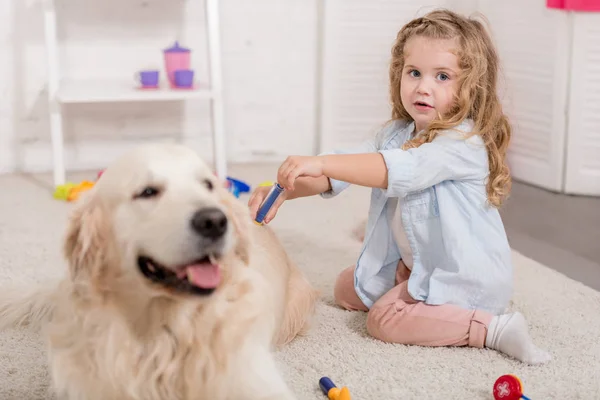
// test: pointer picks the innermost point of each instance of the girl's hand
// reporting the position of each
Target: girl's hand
(297, 166)
(258, 197)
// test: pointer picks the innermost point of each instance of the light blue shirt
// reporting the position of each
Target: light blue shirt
(460, 250)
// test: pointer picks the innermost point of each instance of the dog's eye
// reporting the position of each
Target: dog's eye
(148, 192)
(208, 184)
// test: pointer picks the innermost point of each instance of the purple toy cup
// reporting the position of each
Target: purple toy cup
(184, 78)
(176, 58)
(147, 79)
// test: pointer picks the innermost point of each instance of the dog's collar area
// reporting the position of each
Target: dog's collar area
(165, 277)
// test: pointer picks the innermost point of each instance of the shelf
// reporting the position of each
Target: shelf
(106, 90)
(100, 91)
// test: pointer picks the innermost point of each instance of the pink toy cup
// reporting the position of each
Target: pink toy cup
(176, 58)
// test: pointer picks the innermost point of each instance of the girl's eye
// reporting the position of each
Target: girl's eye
(443, 77)
(414, 73)
(148, 192)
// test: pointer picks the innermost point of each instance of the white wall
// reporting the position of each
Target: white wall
(269, 61)
(7, 162)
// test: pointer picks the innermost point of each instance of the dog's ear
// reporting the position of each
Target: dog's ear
(88, 246)
(239, 216)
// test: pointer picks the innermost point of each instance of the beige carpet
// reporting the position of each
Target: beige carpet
(564, 315)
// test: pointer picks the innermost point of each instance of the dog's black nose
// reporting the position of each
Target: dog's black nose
(210, 223)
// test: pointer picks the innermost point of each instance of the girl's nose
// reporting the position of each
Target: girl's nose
(424, 87)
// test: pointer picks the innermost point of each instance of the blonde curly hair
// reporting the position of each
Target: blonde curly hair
(476, 97)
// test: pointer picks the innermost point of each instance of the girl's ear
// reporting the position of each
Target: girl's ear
(89, 244)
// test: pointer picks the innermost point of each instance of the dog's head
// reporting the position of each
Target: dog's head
(158, 214)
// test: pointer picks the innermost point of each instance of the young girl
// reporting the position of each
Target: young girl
(435, 268)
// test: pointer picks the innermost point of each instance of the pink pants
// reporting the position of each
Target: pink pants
(396, 317)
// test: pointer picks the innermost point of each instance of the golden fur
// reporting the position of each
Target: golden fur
(113, 334)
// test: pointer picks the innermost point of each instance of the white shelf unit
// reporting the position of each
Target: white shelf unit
(62, 92)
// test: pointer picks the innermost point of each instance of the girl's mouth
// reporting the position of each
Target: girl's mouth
(422, 106)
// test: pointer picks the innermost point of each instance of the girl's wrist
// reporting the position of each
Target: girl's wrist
(325, 164)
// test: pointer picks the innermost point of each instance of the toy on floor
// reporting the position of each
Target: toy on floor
(237, 187)
(276, 190)
(266, 183)
(333, 392)
(71, 191)
(509, 387)
(61, 192)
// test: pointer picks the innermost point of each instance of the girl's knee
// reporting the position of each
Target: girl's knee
(344, 293)
(376, 323)
(338, 292)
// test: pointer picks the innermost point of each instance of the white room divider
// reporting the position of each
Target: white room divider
(583, 144)
(534, 44)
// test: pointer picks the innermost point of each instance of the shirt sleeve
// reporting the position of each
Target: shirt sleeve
(369, 146)
(447, 157)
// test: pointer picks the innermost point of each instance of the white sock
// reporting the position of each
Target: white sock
(508, 333)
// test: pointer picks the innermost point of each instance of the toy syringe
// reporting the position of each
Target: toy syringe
(333, 392)
(274, 193)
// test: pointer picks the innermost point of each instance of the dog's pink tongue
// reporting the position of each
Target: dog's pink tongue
(205, 276)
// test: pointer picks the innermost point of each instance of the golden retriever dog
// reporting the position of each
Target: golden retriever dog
(172, 292)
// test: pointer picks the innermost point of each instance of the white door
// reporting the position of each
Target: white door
(357, 40)
(533, 42)
(583, 145)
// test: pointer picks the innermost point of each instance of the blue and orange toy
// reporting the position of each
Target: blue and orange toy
(509, 387)
(333, 392)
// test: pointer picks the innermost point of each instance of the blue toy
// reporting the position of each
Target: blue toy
(333, 392)
(275, 192)
(237, 187)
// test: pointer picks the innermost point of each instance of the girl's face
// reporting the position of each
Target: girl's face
(429, 78)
